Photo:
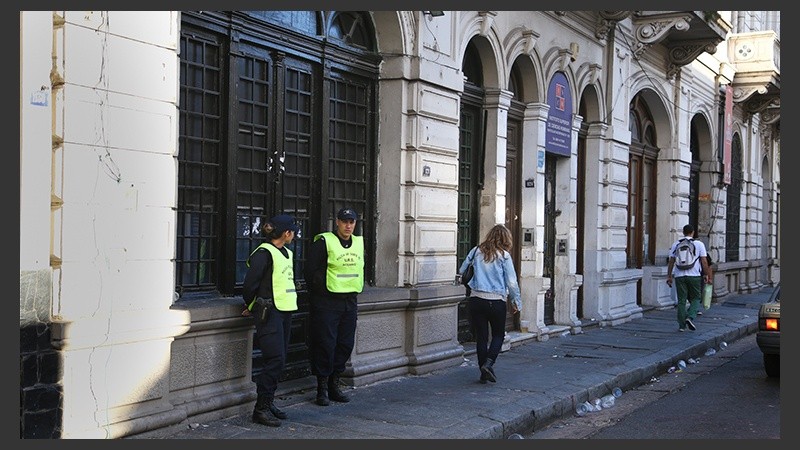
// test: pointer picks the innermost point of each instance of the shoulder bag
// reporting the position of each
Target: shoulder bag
(469, 272)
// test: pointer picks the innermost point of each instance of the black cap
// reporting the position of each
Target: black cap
(284, 222)
(346, 213)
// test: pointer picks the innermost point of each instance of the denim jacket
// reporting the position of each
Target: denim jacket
(498, 276)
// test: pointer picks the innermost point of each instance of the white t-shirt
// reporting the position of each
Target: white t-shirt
(699, 251)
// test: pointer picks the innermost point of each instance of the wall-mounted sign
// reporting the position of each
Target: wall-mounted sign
(39, 98)
(558, 136)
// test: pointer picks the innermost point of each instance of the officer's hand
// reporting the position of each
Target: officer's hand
(246, 313)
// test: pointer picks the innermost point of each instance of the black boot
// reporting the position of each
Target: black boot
(334, 392)
(322, 391)
(277, 412)
(260, 412)
(487, 371)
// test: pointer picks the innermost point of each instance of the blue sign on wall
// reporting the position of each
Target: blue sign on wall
(558, 137)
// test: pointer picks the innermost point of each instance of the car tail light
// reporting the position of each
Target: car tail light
(772, 324)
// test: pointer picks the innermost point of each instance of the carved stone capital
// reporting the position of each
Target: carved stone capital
(529, 38)
(742, 93)
(564, 58)
(686, 52)
(759, 104)
(771, 115)
(649, 32)
(607, 20)
(486, 21)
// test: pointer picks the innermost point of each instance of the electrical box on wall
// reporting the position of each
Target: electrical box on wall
(528, 237)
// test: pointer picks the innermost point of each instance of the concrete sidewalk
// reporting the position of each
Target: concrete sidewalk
(538, 382)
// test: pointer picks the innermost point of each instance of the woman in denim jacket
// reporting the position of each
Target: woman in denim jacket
(493, 281)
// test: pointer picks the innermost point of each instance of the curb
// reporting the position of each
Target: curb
(527, 420)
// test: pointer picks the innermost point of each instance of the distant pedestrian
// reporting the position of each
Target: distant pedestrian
(688, 278)
(703, 276)
(335, 273)
(270, 297)
(493, 281)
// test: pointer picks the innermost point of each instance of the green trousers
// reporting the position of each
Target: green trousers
(688, 289)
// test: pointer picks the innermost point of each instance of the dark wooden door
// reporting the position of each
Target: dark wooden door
(548, 270)
(513, 196)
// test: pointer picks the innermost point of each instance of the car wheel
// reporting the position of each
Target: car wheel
(772, 365)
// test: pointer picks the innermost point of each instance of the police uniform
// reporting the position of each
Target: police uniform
(269, 293)
(335, 272)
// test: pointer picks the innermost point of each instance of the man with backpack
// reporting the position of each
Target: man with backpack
(688, 258)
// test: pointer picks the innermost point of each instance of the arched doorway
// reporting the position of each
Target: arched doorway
(642, 176)
(514, 154)
(472, 129)
(587, 185)
(734, 202)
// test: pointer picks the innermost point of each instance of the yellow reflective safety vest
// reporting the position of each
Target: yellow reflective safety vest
(283, 289)
(345, 271)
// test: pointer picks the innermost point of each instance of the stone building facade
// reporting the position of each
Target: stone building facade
(152, 144)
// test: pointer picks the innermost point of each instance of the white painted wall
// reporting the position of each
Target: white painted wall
(35, 112)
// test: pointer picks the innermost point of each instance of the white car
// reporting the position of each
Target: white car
(768, 335)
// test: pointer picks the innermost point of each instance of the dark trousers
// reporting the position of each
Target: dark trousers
(272, 338)
(333, 338)
(483, 315)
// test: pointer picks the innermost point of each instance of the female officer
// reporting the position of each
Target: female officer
(270, 297)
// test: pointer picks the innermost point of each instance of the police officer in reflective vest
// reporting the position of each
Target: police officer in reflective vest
(270, 298)
(335, 273)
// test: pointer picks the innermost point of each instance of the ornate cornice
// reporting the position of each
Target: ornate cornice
(607, 20)
(757, 81)
(686, 34)
(650, 31)
(771, 115)
(686, 52)
(760, 104)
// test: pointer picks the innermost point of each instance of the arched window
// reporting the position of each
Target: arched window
(694, 176)
(349, 28)
(277, 115)
(734, 202)
(641, 186)
(260, 113)
(470, 168)
(472, 67)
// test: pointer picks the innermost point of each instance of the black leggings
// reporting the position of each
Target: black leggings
(483, 315)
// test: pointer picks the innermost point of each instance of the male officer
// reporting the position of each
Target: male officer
(335, 273)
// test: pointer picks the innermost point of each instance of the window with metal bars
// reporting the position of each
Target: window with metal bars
(734, 202)
(270, 127)
(643, 155)
(694, 176)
